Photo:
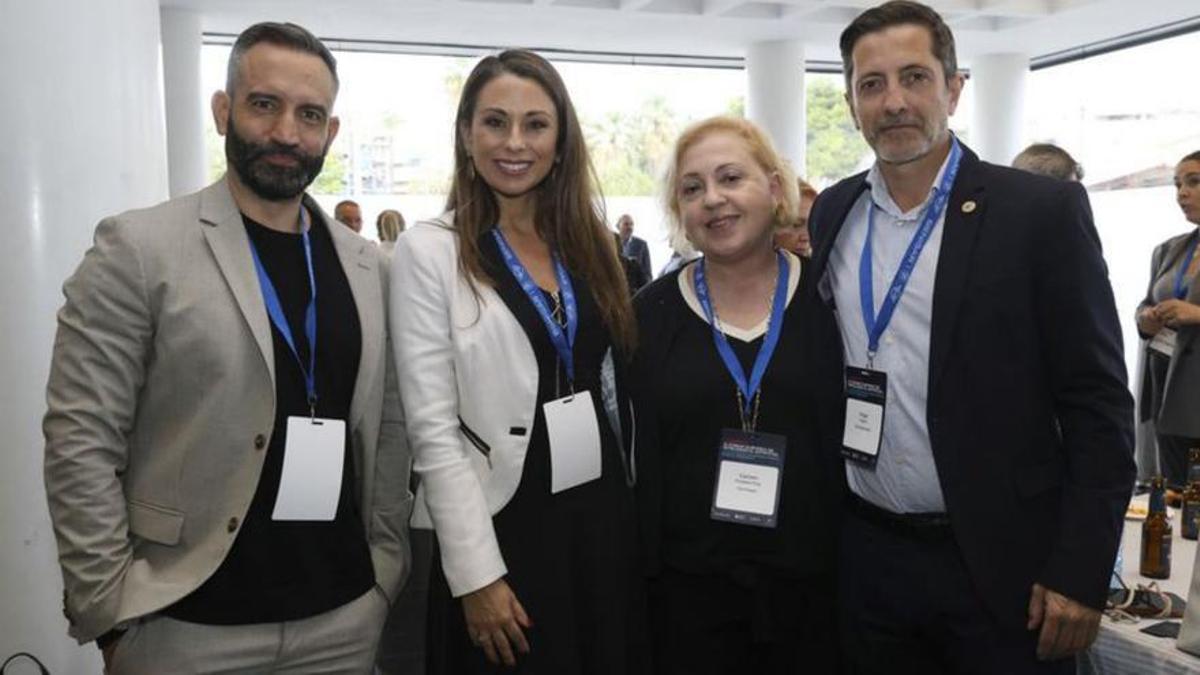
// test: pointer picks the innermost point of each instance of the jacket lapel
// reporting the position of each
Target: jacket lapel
(964, 213)
(827, 229)
(1173, 256)
(230, 245)
(362, 273)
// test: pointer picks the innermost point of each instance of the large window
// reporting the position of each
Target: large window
(1128, 117)
(395, 145)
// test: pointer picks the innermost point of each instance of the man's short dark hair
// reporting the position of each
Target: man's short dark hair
(898, 13)
(337, 208)
(1048, 159)
(282, 35)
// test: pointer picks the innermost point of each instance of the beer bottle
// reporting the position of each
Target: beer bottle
(1190, 510)
(1156, 535)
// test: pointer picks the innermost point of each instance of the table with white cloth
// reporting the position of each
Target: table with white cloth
(1121, 648)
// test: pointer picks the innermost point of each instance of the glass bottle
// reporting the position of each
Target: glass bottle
(1189, 525)
(1156, 535)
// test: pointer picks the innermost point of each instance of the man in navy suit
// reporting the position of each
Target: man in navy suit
(635, 249)
(989, 436)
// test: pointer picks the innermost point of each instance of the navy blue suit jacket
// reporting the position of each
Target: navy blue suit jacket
(637, 249)
(1029, 413)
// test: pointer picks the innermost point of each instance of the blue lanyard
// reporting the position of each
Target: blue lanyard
(564, 343)
(1181, 288)
(875, 325)
(748, 388)
(275, 311)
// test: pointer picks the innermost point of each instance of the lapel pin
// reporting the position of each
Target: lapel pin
(968, 206)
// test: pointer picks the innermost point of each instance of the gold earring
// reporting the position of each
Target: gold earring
(470, 168)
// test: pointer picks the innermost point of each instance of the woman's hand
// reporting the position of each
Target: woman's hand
(494, 621)
(1177, 313)
(1148, 322)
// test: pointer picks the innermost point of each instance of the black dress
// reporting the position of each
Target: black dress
(570, 556)
(733, 598)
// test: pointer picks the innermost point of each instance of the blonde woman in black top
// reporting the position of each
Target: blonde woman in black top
(738, 504)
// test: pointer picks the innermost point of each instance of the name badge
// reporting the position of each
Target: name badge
(313, 459)
(749, 467)
(1163, 342)
(866, 400)
(574, 441)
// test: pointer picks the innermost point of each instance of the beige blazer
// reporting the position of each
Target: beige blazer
(161, 404)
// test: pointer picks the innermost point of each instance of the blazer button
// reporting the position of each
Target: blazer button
(233, 525)
(260, 442)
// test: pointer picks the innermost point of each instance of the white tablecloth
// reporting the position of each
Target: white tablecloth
(1121, 648)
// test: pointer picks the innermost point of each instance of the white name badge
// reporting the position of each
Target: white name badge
(749, 466)
(1163, 342)
(313, 460)
(748, 488)
(866, 401)
(574, 441)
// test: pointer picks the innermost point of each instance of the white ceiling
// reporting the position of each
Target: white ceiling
(722, 28)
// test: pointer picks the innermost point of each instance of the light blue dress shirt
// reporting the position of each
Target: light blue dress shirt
(904, 479)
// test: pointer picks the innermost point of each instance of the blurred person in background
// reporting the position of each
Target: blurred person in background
(388, 226)
(1168, 319)
(634, 248)
(796, 238)
(1047, 159)
(348, 213)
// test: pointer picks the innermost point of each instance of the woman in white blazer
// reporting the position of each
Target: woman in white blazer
(512, 321)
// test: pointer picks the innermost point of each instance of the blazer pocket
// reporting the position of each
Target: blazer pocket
(475, 440)
(151, 522)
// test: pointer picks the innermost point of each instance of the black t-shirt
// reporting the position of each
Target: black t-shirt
(282, 571)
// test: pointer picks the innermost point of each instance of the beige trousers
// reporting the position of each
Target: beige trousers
(342, 640)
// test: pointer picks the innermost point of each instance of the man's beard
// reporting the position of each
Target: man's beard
(270, 181)
(930, 134)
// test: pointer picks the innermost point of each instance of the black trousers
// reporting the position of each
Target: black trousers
(907, 605)
(741, 624)
(1173, 458)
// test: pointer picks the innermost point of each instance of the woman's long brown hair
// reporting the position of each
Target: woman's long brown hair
(567, 217)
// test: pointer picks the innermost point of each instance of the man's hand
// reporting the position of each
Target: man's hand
(494, 621)
(1177, 312)
(1067, 626)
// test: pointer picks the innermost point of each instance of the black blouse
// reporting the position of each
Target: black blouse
(686, 397)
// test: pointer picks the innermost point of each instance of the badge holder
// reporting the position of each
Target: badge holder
(574, 435)
(749, 470)
(310, 484)
(1163, 342)
(866, 401)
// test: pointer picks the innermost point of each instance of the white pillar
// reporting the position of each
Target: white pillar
(775, 96)
(84, 138)
(185, 105)
(997, 124)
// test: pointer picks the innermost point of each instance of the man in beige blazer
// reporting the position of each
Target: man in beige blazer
(226, 464)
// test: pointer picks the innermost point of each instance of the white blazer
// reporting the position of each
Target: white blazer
(468, 381)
